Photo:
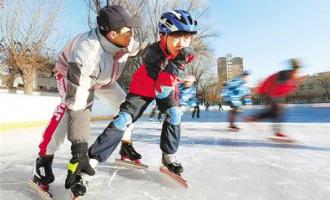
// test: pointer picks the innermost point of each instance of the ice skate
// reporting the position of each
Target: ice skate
(173, 169)
(281, 137)
(82, 182)
(129, 156)
(170, 162)
(233, 128)
(42, 176)
(80, 186)
(42, 190)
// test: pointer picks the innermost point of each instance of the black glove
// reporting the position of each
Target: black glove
(79, 163)
(185, 56)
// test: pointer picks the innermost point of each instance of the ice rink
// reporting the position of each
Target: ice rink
(218, 164)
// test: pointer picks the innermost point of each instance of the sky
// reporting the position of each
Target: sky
(265, 33)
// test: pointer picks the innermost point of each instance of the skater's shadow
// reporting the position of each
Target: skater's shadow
(210, 141)
(16, 179)
(216, 130)
(147, 176)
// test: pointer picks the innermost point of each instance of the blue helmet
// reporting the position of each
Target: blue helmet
(177, 20)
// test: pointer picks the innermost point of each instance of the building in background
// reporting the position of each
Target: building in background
(314, 89)
(228, 68)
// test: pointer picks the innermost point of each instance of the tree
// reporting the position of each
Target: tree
(26, 29)
(206, 88)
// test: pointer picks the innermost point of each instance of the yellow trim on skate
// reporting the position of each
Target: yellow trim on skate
(72, 167)
(32, 124)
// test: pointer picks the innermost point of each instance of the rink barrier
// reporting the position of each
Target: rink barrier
(33, 124)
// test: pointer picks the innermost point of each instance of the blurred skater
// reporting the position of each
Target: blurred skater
(273, 89)
(188, 95)
(235, 94)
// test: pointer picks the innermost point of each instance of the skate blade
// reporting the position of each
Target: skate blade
(41, 193)
(282, 140)
(128, 163)
(233, 129)
(175, 177)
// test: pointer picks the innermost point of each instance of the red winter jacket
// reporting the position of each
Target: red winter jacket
(156, 71)
(278, 85)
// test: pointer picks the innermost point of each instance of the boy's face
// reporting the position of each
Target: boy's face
(121, 37)
(175, 42)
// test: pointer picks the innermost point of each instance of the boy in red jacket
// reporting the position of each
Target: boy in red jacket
(157, 78)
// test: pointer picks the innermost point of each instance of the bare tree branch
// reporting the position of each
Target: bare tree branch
(26, 33)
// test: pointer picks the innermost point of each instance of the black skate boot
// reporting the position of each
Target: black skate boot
(127, 151)
(42, 176)
(171, 163)
(233, 128)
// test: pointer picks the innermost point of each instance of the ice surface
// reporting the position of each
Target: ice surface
(218, 164)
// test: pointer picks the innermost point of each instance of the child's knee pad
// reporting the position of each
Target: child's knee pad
(175, 115)
(123, 120)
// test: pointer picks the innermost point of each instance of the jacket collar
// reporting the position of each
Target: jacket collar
(106, 44)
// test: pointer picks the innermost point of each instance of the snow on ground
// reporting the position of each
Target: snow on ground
(218, 164)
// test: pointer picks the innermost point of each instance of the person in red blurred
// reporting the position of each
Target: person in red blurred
(273, 89)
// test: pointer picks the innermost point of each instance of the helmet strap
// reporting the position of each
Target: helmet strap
(163, 47)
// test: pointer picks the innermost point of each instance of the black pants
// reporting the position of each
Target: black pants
(232, 115)
(273, 111)
(196, 111)
(135, 105)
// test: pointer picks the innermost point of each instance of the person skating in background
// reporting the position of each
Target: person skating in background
(207, 105)
(88, 65)
(220, 106)
(154, 111)
(196, 111)
(156, 78)
(235, 94)
(188, 94)
(273, 89)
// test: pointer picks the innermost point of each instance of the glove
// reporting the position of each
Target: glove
(79, 163)
(184, 57)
